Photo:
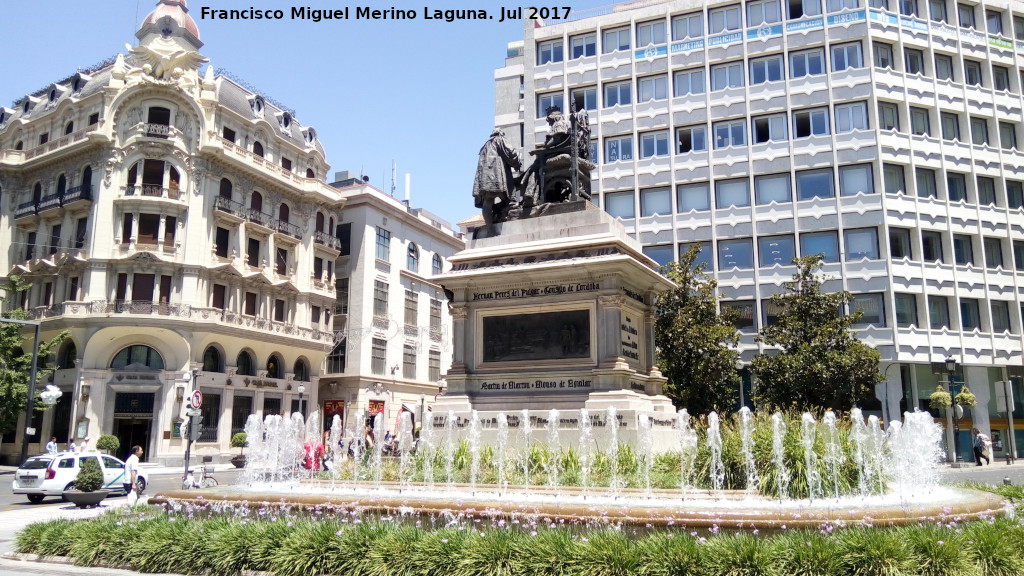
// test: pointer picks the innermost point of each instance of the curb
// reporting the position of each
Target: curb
(65, 561)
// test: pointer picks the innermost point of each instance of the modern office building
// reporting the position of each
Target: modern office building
(180, 225)
(885, 134)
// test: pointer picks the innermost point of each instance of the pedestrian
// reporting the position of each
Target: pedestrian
(981, 444)
(83, 445)
(51, 446)
(131, 471)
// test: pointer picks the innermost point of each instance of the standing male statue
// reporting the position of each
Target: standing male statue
(494, 177)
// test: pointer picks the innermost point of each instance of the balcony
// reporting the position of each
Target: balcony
(52, 201)
(157, 130)
(280, 172)
(152, 191)
(17, 156)
(325, 239)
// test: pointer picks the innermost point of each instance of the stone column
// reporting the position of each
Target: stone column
(460, 353)
(608, 351)
(161, 230)
(648, 342)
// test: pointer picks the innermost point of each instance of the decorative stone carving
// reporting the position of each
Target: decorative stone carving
(611, 301)
(164, 59)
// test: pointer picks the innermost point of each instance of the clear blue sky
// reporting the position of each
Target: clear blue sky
(418, 92)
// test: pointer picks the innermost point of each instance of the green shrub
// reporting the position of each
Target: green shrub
(108, 443)
(240, 440)
(90, 477)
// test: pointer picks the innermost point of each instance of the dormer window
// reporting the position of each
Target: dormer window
(286, 120)
(309, 135)
(158, 122)
(257, 148)
(76, 85)
(25, 107)
(53, 94)
(69, 128)
(257, 106)
(3, 116)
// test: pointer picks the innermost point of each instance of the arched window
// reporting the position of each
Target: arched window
(283, 213)
(212, 361)
(68, 355)
(62, 184)
(319, 221)
(86, 181)
(133, 174)
(225, 188)
(69, 128)
(330, 225)
(244, 363)
(20, 145)
(274, 367)
(256, 202)
(310, 173)
(137, 357)
(412, 262)
(301, 370)
(436, 265)
(37, 192)
(257, 148)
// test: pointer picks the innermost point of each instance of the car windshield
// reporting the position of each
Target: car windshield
(36, 463)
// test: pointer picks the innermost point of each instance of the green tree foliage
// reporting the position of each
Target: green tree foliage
(822, 364)
(16, 357)
(696, 344)
(90, 477)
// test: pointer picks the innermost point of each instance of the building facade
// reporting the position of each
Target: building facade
(884, 134)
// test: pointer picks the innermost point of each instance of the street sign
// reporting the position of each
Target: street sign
(197, 398)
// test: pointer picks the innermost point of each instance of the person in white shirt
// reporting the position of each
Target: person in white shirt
(131, 469)
(51, 446)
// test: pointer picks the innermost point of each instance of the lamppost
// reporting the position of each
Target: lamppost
(302, 390)
(951, 367)
(31, 383)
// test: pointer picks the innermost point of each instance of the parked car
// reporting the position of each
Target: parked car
(52, 474)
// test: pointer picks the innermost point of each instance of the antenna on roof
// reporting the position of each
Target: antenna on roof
(394, 169)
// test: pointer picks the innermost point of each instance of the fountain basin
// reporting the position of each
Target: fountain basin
(662, 508)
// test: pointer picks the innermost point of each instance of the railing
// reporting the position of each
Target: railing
(326, 239)
(289, 229)
(52, 201)
(61, 142)
(152, 191)
(158, 130)
(263, 163)
(25, 209)
(257, 217)
(47, 202)
(77, 193)
(231, 207)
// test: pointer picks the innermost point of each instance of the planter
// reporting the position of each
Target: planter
(85, 499)
(238, 461)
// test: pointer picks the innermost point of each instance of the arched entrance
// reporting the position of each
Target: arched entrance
(135, 371)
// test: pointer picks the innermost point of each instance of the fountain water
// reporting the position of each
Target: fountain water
(613, 449)
(377, 454)
(405, 446)
(747, 446)
(474, 451)
(449, 449)
(646, 453)
(551, 462)
(525, 429)
(808, 433)
(428, 446)
(717, 469)
(687, 450)
(502, 448)
(585, 429)
(779, 453)
(834, 458)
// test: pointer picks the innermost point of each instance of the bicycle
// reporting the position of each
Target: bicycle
(198, 477)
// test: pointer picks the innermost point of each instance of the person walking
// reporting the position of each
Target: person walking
(131, 470)
(51, 446)
(981, 443)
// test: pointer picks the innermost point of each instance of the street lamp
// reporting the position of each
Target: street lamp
(302, 390)
(951, 367)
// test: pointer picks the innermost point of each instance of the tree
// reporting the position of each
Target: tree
(821, 364)
(15, 362)
(696, 344)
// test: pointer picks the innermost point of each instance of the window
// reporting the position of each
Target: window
(986, 191)
(434, 365)
(652, 88)
(655, 201)
(1000, 316)
(704, 255)
(732, 193)
(769, 128)
(735, 253)
(824, 243)
(956, 186)
(913, 60)
(582, 46)
(549, 51)
(662, 254)
(137, 356)
(689, 82)
(856, 179)
(341, 296)
(253, 253)
(970, 314)
(837, 5)
(653, 144)
(943, 67)
(938, 312)
(937, 10)
(925, 179)
(81, 229)
(412, 301)
(687, 26)
(772, 250)
(763, 12)
(620, 204)
(618, 148)
(950, 126)
(726, 76)
(281, 262)
(772, 188)
(766, 70)
(920, 123)
(810, 122)
(378, 356)
(730, 134)
(585, 98)
(436, 265)
(614, 40)
(931, 246)
(906, 310)
(888, 116)
(871, 308)
(691, 138)
(972, 73)
(617, 94)
(801, 8)
(883, 56)
(693, 197)
(435, 317)
(994, 21)
(963, 250)
(380, 298)
(1018, 28)
(742, 312)
(724, 19)
(847, 56)
(806, 63)
(850, 117)
(979, 131)
(383, 244)
(908, 7)
(1000, 78)
(279, 311)
(899, 243)
(861, 243)
(1007, 136)
(412, 259)
(1014, 194)
(966, 14)
(993, 248)
(546, 101)
(409, 362)
(814, 184)
(648, 33)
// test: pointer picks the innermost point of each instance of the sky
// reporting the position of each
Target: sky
(418, 93)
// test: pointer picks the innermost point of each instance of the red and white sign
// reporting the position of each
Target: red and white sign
(197, 399)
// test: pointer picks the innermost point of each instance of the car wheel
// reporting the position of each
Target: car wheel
(70, 486)
(140, 485)
(36, 498)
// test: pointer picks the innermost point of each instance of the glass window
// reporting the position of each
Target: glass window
(383, 244)
(742, 312)
(853, 116)
(617, 149)
(582, 46)
(380, 298)
(937, 10)
(617, 94)
(727, 76)
(704, 255)
(772, 250)
(585, 98)
(735, 253)
(950, 126)
(648, 33)
(378, 355)
(689, 82)
(691, 138)
(652, 88)
(693, 197)
(546, 101)
(925, 179)
(888, 116)
(620, 204)
(1018, 27)
(435, 266)
(986, 191)
(938, 312)
(856, 179)
(1000, 316)
(412, 260)
(972, 73)
(730, 134)
(847, 56)
(906, 310)
(913, 60)
(966, 14)
(883, 55)
(993, 252)
(970, 314)
(655, 201)
(732, 193)
(1007, 136)
(769, 128)
(861, 243)
(994, 21)
(963, 250)
(724, 19)
(814, 184)
(687, 26)
(824, 243)
(772, 188)
(956, 186)
(899, 243)
(763, 12)
(837, 5)
(871, 308)
(1000, 78)
(613, 40)
(768, 69)
(944, 67)
(801, 8)
(908, 7)
(979, 131)
(807, 63)
(931, 246)
(653, 144)
(549, 51)
(810, 122)
(892, 174)
(137, 356)
(662, 254)
(920, 122)
(1014, 194)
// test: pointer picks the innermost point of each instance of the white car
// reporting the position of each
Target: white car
(52, 474)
